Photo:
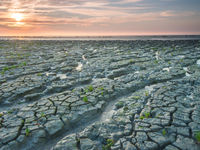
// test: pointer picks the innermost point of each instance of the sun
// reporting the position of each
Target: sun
(17, 16)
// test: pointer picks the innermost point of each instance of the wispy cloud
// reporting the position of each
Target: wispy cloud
(170, 13)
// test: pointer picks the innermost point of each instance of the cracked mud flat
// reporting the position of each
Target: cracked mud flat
(94, 95)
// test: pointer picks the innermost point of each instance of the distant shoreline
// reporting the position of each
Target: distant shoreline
(125, 37)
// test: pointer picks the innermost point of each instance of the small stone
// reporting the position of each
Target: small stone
(54, 126)
(128, 146)
(170, 147)
(86, 144)
(150, 145)
(141, 136)
(160, 139)
(67, 143)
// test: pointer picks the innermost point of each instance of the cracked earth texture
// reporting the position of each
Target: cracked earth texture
(100, 95)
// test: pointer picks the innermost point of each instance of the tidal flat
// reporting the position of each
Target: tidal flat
(100, 95)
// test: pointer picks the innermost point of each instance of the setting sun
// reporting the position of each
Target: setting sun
(17, 16)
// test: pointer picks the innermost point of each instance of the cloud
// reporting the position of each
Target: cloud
(167, 14)
(170, 13)
(90, 14)
(127, 1)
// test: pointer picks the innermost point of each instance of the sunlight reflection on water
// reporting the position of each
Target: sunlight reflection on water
(79, 67)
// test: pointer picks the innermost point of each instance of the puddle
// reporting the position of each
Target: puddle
(198, 62)
(190, 96)
(157, 57)
(180, 56)
(187, 74)
(61, 76)
(150, 88)
(137, 72)
(79, 67)
(49, 73)
(63, 63)
(83, 57)
(185, 68)
(167, 69)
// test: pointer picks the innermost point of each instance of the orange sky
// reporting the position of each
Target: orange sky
(105, 17)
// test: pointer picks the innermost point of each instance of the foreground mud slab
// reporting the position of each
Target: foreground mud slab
(94, 95)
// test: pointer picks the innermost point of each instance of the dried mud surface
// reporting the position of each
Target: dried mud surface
(100, 95)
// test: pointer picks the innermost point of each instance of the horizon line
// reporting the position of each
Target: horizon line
(65, 36)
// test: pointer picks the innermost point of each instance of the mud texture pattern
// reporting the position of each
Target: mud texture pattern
(100, 95)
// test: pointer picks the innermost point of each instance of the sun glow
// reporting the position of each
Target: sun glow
(17, 16)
